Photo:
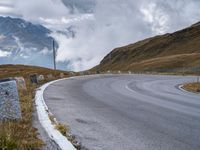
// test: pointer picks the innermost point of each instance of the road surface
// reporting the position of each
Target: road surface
(128, 112)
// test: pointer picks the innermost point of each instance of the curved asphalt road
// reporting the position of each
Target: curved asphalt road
(128, 112)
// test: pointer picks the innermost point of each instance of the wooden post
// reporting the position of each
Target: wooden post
(54, 55)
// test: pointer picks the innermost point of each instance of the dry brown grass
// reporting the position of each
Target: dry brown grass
(64, 129)
(52, 119)
(192, 87)
(25, 71)
(21, 135)
(164, 53)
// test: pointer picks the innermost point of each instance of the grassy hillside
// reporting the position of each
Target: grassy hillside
(173, 52)
(22, 135)
(25, 71)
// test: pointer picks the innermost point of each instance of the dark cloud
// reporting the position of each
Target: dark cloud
(84, 6)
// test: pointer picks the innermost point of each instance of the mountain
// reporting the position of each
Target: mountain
(22, 42)
(174, 52)
(16, 32)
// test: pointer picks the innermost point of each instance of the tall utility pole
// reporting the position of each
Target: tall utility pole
(54, 55)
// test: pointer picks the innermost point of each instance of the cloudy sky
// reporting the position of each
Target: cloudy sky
(101, 25)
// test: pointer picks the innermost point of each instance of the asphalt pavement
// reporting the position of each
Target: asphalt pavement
(128, 112)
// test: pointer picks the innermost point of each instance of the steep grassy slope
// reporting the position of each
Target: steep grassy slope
(165, 53)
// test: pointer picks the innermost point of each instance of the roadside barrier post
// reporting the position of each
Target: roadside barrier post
(9, 100)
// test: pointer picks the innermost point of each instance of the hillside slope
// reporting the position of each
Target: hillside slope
(23, 134)
(25, 71)
(173, 52)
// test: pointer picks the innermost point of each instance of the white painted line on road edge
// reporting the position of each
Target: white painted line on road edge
(127, 87)
(43, 116)
(180, 87)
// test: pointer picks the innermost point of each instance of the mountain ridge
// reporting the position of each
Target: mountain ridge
(165, 52)
(23, 42)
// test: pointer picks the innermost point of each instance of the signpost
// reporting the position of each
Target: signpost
(9, 100)
(54, 55)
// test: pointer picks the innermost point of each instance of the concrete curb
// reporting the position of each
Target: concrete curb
(43, 116)
(180, 87)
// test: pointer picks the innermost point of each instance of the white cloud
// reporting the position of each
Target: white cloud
(4, 53)
(6, 7)
(6, 2)
(119, 22)
(45, 51)
(169, 16)
(94, 38)
(113, 23)
(2, 36)
(32, 10)
(62, 22)
(155, 16)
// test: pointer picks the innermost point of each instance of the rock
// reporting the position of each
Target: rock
(21, 84)
(34, 78)
(9, 100)
(62, 75)
(40, 77)
(72, 73)
(49, 76)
